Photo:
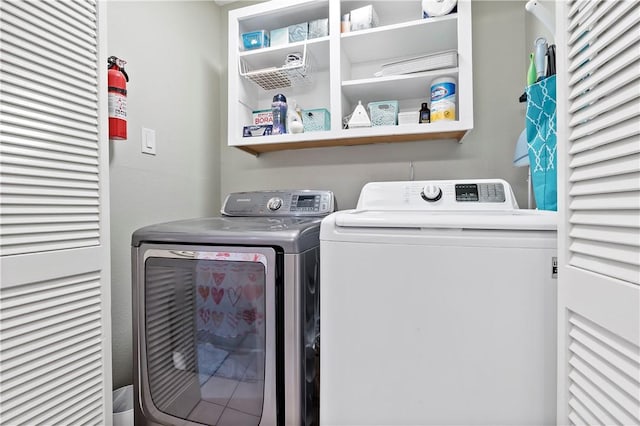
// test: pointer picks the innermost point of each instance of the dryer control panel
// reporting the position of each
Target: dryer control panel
(438, 195)
(303, 202)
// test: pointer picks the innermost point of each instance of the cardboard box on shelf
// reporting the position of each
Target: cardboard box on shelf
(263, 116)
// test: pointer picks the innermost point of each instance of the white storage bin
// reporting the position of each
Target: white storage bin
(408, 117)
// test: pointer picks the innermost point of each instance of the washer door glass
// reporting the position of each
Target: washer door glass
(208, 340)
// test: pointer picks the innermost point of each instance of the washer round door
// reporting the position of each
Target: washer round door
(205, 334)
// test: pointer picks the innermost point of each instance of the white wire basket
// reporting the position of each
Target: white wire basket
(291, 74)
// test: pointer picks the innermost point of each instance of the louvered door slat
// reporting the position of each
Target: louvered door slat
(84, 10)
(25, 189)
(76, 329)
(622, 131)
(23, 220)
(85, 120)
(69, 370)
(602, 407)
(623, 218)
(54, 361)
(59, 27)
(607, 371)
(598, 38)
(606, 234)
(70, 14)
(618, 47)
(20, 121)
(11, 91)
(604, 169)
(607, 100)
(23, 151)
(587, 409)
(576, 6)
(23, 171)
(580, 414)
(45, 50)
(54, 211)
(69, 100)
(626, 383)
(622, 183)
(31, 228)
(598, 22)
(54, 293)
(25, 60)
(581, 15)
(77, 413)
(45, 163)
(622, 8)
(39, 181)
(611, 252)
(71, 316)
(619, 70)
(614, 149)
(47, 399)
(602, 341)
(50, 146)
(606, 202)
(628, 111)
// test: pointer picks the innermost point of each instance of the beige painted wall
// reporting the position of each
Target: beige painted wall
(499, 66)
(174, 56)
(176, 53)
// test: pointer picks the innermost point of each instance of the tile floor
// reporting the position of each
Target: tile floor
(233, 395)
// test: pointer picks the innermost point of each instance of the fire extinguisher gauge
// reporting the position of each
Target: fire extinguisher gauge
(117, 63)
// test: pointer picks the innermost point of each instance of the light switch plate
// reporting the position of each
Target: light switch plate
(148, 141)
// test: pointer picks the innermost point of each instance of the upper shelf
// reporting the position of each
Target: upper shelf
(317, 49)
(392, 87)
(420, 37)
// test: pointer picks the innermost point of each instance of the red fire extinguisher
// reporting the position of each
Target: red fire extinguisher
(117, 87)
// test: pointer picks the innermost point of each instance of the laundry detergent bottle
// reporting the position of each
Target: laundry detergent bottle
(279, 110)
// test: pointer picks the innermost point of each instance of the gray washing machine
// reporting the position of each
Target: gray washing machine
(226, 313)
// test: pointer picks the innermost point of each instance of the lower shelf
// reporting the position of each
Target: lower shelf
(345, 138)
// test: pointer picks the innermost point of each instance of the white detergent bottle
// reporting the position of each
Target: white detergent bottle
(294, 120)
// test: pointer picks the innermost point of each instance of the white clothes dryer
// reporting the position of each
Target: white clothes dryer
(438, 306)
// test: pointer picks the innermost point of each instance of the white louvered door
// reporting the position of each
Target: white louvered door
(55, 338)
(599, 202)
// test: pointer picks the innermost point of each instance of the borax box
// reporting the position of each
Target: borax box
(263, 116)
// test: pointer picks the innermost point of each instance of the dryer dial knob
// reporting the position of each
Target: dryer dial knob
(274, 203)
(431, 193)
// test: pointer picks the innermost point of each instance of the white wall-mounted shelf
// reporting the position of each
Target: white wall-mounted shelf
(343, 67)
(417, 37)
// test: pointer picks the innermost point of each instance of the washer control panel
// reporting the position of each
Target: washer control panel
(279, 203)
(491, 192)
(434, 195)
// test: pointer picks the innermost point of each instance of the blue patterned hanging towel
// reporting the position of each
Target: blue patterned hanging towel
(542, 142)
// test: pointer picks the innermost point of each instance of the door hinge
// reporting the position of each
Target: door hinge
(554, 267)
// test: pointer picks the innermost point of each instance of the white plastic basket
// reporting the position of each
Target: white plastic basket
(288, 75)
(384, 113)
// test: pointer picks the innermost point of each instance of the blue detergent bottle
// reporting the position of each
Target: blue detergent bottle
(279, 110)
